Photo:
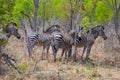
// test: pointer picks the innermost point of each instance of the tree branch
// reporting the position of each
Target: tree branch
(28, 19)
(71, 14)
(118, 6)
(36, 6)
(115, 5)
(44, 14)
(109, 4)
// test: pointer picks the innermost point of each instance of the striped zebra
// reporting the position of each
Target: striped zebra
(63, 41)
(42, 40)
(87, 40)
(90, 38)
(10, 29)
(35, 39)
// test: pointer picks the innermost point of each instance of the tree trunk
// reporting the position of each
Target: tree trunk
(44, 7)
(115, 8)
(71, 14)
(116, 23)
(35, 25)
(28, 19)
(76, 27)
(25, 31)
(93, 14)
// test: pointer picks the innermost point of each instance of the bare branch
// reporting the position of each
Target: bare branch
(107, 2)
(9, 61)
(25, 32)
(44, 10)
(71, 14)
(114, 4)
(118, 6)
(28, 19)
(93, 13)
(36, 6)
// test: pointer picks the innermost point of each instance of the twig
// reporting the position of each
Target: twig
(28, 19)
(9, 60)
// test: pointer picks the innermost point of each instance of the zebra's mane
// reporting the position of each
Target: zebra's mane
(53, 26)
(94, 29)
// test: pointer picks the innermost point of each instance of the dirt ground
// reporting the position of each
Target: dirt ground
(106, 65)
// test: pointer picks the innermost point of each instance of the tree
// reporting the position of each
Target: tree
(114, 5)
(93, 13)
(44, 10)
(22, 6)
(71, 13)
(6, 9)
(35, 18)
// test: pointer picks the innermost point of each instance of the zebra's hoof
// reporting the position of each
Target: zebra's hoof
(88, 60)
(55, 60)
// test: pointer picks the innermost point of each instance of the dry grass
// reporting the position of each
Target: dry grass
(106, 65)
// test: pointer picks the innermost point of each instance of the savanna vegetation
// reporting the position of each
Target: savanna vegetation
(38, 15)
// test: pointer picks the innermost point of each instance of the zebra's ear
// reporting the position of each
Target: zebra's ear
(72, 31)
(80, 28)
(102, 27)
(13, 23)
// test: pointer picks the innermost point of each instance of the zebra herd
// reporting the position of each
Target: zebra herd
(57, 38)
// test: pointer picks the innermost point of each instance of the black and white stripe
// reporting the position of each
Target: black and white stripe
(42, 39)
(63, 41)
(36, 39)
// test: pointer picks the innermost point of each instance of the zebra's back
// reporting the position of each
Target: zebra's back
(62, 40)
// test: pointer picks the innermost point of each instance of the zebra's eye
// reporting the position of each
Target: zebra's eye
(103, 28)
(16, 30)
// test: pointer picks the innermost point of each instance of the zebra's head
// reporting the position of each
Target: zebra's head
(102, 32)
(77, 31)
(11, 29)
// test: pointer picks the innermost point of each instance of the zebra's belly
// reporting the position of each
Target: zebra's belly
(81, 45)
(64, 45)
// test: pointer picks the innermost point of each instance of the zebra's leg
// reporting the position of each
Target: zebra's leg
(55, 49)
(30, 50)
(69, 52)
(88, 51)
(62, 53)
(43, 52)
(47, 48)
(66, 53)
(83, 53)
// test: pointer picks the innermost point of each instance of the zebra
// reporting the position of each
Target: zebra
(53, 28)
(42, 40)
(62, 40)
(38, 40)
(87, 40)
(10, 29)
(69, 50)
(91, 36)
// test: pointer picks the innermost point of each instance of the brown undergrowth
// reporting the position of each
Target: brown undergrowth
(107, 65)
